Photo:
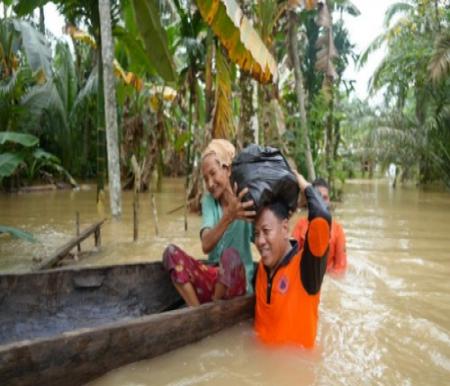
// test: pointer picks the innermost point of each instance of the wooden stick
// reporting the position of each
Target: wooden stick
(135, 222)
(154, 212)
(137, 186)
(186, 208)
(175, 209)
(66, 248)
(78, 230)
(98, 238)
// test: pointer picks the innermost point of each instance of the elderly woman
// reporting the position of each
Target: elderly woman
(225, 236)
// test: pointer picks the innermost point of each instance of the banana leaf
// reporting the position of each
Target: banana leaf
(9, 162)
(237, 35)
(154, 37)
(18, 233)
(223, 125)
(27, 140)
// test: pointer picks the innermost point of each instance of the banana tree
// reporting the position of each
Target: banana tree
(245, 48)
(20, 156)
(235, 32)
(146, 14)
(25, 56)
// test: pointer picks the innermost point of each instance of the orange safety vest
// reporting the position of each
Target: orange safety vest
(337, 254)
(285, 313)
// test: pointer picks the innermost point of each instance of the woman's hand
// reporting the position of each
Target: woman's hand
(236, 208)
(303, 184)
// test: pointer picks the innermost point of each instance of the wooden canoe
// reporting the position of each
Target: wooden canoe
(69, 326)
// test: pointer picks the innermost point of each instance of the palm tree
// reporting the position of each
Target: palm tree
(405, 70)
(110, 108)
(299, 88)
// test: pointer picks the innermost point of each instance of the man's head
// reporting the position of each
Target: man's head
(323, 188)
(272, 233)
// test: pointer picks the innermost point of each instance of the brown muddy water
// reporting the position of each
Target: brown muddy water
(387, 321)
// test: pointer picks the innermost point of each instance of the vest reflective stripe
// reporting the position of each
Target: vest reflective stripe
(291, 316)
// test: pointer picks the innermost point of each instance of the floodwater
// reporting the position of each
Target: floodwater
(387, 321)
(51, 217)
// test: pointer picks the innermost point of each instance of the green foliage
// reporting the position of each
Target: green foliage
(25, 140)
(35, 46)
(9, 162)
(20, 157)
(137, 59)
(414, 75)
(25, 7)
(155, 41)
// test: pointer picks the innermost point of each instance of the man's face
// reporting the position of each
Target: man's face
(271, 237)
(325, 194)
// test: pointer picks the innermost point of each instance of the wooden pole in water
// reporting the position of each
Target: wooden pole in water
(135, 222)
(154, 211)
(137, 186)
(78, 229)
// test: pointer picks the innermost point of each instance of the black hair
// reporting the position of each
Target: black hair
(279, 209)
(320, 182)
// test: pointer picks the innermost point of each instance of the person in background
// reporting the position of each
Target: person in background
(288, 277)
(337, 257)
(225, 236)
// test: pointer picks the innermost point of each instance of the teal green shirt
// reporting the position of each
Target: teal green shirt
(238, 235)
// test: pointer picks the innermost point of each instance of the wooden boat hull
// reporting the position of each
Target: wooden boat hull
(95, 344)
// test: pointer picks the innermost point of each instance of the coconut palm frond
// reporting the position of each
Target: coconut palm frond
(375, 45)
(439, 66)
(348, 7)
(7, 87)
(88, 91)
(65, 76)
(375, 81)
(43, 99)
(36, 47)
(395, 9)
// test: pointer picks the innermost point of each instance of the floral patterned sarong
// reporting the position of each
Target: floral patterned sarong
(184, 268)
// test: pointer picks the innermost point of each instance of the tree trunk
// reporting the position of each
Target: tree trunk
(107, 53)
(246, 134)
(294, 56)
(420, 112)
(101, 151)
(209, 94)
(329, 136)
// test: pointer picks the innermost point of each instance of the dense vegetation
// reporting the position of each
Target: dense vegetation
(200, 81)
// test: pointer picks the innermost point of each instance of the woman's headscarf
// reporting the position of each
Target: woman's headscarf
(222, 149)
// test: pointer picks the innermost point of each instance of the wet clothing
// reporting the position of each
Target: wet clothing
(337, 255)
(287, 300)
(184, 268)
(238, 235)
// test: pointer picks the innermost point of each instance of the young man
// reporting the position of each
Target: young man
(288, 279)
(337, 256)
